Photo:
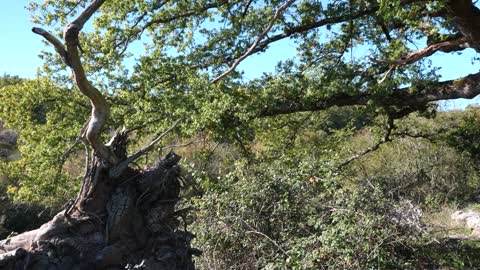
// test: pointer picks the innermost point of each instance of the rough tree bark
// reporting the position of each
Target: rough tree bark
(122, 217)
(115, 222)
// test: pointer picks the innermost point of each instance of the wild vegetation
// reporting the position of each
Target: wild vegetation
(336, 160)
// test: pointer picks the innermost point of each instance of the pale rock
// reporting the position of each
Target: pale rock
(469, 218)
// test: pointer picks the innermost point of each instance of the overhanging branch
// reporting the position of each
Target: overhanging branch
(301, 28)
(57, 44)
(414, 56)
(467, 87)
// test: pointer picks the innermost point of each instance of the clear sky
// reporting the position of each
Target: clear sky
(19, 51)
(19, 47)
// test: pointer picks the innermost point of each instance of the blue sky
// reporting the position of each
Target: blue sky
(20, 48)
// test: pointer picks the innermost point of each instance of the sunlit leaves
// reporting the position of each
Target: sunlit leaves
(48, 119)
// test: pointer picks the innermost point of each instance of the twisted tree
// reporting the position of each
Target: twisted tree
(124, 216)
(121, 216)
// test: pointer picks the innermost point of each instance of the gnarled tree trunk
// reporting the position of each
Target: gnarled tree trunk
(127, 221)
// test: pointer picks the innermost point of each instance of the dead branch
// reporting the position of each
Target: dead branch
(120, 167)
(269, 239)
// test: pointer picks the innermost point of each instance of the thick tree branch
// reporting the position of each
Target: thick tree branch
(71, 56)
(467, 87)
(262, 45)
(323, 22)
(57, 44)
(251, 50)
(466, 17)
(414, 56)
(87, 13)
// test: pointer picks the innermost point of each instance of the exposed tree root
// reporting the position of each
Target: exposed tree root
(115, 223)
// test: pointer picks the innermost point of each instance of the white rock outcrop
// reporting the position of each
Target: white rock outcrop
(468, 218)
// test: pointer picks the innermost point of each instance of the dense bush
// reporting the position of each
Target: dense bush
(467, 137)
(289, 208)
(285, 216)
(19, 217)
(429, 174)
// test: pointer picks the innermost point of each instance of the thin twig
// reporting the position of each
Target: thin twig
(143, 125)
(63, 158)
(271, 240)
(210, 154)
(182, 145)
(431, 136)
(152, 143)
(254, 231)
(251, 50)
(386, 138)
(392, 68)
(69, 151)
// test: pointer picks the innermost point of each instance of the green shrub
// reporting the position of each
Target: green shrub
(284, 215)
